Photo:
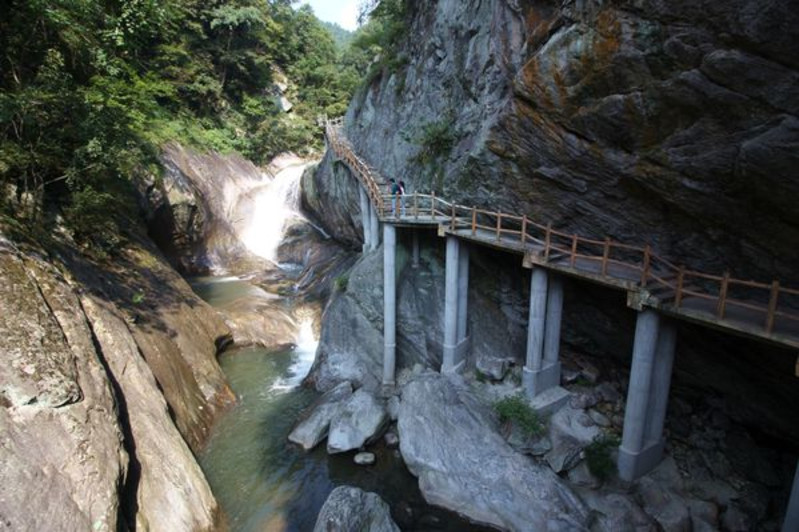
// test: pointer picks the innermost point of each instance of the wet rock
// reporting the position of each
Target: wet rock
(314, 428)
(349, 509)
(360, 419)
(447, 440)
(364, 459)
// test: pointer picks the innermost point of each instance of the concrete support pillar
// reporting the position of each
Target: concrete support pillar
(535, 331)
(463, 292)
(661, 382)
(374, 226)
(451, 306)
(791, 522)
(415, 253)
(549, 375)
(389, 303)
(365, 219)
(647, 397)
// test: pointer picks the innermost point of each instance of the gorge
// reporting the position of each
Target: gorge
(671, 126)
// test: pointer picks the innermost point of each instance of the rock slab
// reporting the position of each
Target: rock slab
(314, 428)
(349, 509)
(360, 420)
(449, 440)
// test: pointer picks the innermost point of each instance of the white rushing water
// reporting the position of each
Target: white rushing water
(273, 205)
(303, 357)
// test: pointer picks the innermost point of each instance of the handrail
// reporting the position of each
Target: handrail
(656, 272)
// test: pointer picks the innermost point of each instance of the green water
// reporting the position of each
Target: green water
(265, 483)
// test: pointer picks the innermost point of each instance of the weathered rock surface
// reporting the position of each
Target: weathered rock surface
(359, 420)
(349, 509)
(62, 457)
(633, 119)
(164, 466)
(314, 428)
(88, 441)
(449, 440)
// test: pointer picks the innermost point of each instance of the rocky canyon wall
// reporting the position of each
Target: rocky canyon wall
(668, 123)
(109, 383)
(673, 125)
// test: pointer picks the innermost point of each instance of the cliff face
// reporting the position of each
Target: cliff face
(109, 382)
(673, 124)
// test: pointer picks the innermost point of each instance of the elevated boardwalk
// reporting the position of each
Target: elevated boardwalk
(765, 311)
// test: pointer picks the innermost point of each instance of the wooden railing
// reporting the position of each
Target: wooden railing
(606, 258)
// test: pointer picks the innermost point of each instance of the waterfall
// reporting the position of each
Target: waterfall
(272, 205)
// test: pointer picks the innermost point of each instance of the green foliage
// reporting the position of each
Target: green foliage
(435, 140)
(89, 90)
(598, 456)
(515, 409)
(341, 283)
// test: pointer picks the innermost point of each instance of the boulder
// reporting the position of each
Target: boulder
(359, 420)
(314, 428)
(616, 512)
(450, 441)
(570, 431)
(349, 509)
(665, 506)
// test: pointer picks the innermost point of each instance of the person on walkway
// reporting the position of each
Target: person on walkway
(402, 197)
(395, 192)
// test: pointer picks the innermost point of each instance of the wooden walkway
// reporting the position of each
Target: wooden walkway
(765, 311)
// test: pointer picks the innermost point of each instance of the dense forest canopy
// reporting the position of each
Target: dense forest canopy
(90, 90)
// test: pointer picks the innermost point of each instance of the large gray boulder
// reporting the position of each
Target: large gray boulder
(359, 420)
(449, 440)
(349, 509)
(314, 428)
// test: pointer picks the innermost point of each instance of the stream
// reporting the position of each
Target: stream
(265, 483)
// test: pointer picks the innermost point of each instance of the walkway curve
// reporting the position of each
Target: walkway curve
(766, 311)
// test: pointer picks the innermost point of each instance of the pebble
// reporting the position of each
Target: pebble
(392, 440)
(364, 458)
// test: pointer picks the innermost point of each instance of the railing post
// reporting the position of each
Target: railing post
(433, 204)
(474, 221)
(723, 295)
(499, 225)
(605, 255)
(415, 205)
(524, 229)
(680, 281)
(772, 306)
(452, 222)
(547, 241)
(573, 257)
(645, 267)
